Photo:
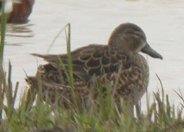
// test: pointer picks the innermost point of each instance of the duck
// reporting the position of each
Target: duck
(18, 11)
(117, 65)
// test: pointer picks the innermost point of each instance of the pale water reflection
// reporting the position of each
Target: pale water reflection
(93, 22)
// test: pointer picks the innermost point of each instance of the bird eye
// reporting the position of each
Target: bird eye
(138, 34)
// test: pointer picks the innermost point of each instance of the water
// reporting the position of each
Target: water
(93, 22)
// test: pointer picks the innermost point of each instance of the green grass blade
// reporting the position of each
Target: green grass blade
(2, 77)
(3, 30)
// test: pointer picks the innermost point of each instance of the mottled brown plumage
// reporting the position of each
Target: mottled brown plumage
(117, 65)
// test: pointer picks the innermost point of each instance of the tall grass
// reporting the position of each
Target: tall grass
(2, 76)
(6, 88)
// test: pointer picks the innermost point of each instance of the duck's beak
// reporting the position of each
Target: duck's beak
(148, 50)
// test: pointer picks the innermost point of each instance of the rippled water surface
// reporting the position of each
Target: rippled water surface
(93, 22)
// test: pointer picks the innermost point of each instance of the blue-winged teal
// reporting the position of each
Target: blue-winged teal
(117, 64)
(18, 11)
